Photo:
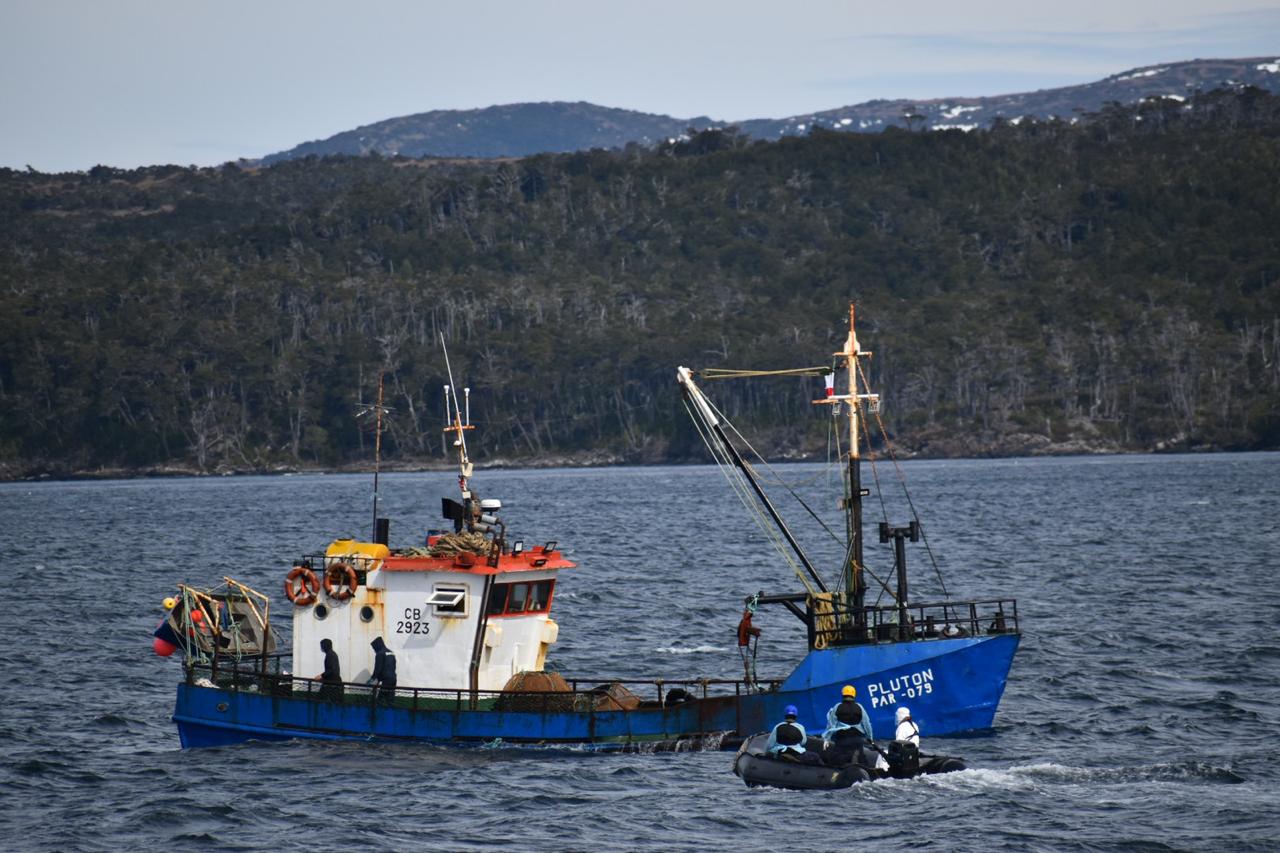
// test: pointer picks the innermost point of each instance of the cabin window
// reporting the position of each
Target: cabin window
(512, 599)
(449, 600)
(497, 603)
(517, 597)
(539, 597)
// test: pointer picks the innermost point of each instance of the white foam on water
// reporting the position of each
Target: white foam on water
(982, 778)
(676, 650)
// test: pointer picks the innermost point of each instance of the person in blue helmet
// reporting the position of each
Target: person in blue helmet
(788, 737)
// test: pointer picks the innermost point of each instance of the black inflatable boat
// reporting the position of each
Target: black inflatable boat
(807, 772)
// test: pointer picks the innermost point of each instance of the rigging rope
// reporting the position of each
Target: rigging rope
(902, 479)
(737, 481)
(232, 625)
(772, 473)
(190, 642)
(776, 478)
(727, 373)
(844, 487)
(765, 523)
(884, 586)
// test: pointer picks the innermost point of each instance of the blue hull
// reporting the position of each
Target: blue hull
(951, 685)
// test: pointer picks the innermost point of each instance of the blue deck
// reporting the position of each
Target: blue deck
(951, 685)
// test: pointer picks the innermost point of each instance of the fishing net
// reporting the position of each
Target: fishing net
(536, 691)
(607, 697)
(460, 543)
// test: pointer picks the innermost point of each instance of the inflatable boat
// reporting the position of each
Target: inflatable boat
(757, 766)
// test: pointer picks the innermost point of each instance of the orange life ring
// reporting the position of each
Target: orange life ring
(335, 576)
(301, 586)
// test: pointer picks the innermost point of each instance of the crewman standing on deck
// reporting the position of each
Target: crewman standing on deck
(331, 678)
(384, 671)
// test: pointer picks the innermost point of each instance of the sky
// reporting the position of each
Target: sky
(128, 83)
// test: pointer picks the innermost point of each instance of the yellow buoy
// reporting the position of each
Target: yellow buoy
(170, 603)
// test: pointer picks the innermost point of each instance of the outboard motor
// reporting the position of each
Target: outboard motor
(904, 759)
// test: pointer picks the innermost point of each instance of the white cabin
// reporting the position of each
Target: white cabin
(454, 622)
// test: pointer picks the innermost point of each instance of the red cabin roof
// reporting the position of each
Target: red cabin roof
(476, 564)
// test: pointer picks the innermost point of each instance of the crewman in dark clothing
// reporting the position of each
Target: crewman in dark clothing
(384, 671)
(331, 678)
(846, 742)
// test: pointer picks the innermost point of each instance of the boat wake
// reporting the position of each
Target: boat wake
(1041, 775)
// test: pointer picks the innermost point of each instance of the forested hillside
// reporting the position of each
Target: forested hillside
(1035, 287)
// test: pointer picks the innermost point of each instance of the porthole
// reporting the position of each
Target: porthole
(366, 614)
(321, 611)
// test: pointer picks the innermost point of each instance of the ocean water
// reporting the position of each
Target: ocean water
(1142, 712)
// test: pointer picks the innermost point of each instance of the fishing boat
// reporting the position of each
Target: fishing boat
(466, 614)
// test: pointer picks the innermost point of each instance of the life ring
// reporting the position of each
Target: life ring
(301, 586)
(334, 578)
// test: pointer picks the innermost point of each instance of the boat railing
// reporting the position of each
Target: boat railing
(267, 676)
(320, 563)
(832, 622)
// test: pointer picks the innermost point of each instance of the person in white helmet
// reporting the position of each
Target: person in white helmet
(906, 727)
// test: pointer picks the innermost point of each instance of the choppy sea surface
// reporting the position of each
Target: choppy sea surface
(1142, 712)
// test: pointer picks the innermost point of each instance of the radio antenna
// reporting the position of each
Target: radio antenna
(377, 453)
(378, 411)
(456, 424)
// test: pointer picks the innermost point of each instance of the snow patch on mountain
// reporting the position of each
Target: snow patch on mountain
(1150, 72)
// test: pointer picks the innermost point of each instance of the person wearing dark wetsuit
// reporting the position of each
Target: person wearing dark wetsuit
(384, 671)
(331, 678)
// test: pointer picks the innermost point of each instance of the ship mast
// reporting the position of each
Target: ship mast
(854, 583)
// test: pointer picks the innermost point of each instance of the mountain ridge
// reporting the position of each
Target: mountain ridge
(523, 129)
